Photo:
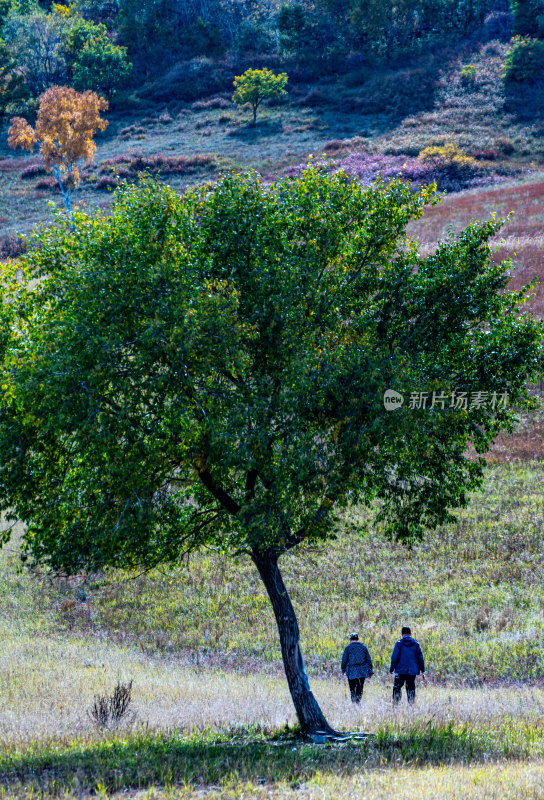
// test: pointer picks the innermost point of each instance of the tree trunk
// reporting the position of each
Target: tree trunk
(309, 714)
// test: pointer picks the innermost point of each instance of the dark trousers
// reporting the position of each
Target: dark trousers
(356, 688)
(410, 681)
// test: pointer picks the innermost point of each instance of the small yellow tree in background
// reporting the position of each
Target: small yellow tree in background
(65, 126)
(256, 85)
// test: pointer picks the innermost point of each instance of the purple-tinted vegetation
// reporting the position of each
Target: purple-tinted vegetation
(366, 168)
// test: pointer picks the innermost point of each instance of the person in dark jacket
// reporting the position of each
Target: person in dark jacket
(406, 662)
(357, 665)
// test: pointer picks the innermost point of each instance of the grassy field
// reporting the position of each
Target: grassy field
(209, 692)
(472, 591)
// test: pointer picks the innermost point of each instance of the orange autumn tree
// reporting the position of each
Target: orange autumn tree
(65, 126)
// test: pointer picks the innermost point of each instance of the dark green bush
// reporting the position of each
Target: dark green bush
(524, 61)
(528, 17)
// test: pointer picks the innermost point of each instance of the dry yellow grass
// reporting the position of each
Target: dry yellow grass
(47, 684)
(48, 677)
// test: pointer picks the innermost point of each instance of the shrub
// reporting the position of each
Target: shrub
(485, 154)
(108, 712)
(213, 102)
(504, 619)
(315, 98)
(46, 184)
(67, 605)
(334, 145)
(33, 171)
(482, 619)
(130, 165)
(106, 182)
(504, 145)
(253, 38)
(165, 118)
(188, 81)
(449, 160)
(528, 17)
(13, 246)
(524, 61)
(365, 168)
(468, 75)
(13, 164)
(400, 92)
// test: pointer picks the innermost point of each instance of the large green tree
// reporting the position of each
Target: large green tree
(209, 370)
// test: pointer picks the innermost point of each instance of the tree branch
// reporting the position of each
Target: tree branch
(219, 493)
(293, 539)
(251, 479)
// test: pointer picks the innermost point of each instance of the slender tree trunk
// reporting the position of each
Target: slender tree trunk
(254, 114)
(309, 714)
(66, 194)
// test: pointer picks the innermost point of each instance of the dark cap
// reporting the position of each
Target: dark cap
(354, 636)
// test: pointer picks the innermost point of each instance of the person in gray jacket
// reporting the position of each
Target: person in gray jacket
(357, 665)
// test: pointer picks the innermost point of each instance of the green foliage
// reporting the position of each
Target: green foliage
(158, 32)
(81, 32)
(205, 38)
(524, 61)
(210, 368)
(466, 16)
(316, 38)
(5, 7)
(101, 67)
(95, 62)
(256, 85)
(391, 27)
(12, 88)
(468, 75)
(291, 25)
(63, 48)
(254, 37)
(35, 43)
(528, 18)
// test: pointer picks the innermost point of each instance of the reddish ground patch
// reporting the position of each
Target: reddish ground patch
(523, 234)
(523, 238)
(527, 445)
